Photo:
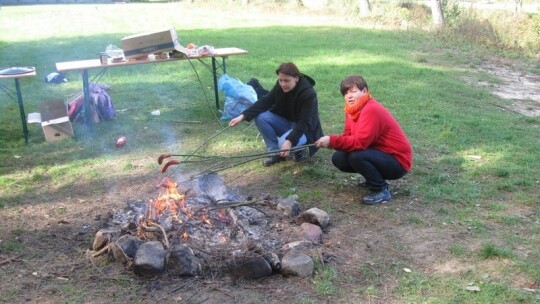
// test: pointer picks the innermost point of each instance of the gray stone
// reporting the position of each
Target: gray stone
(312, 233)
(296, 263)
(250, 268)
(105, 236)
(149, 259)
(181, 261)
(288, 206)
(314, 216)
(297, 244)
(274, 261)
(125, 248)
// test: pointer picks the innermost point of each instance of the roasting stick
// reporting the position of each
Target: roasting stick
(205, 158)
(248, 158)
(204, 143)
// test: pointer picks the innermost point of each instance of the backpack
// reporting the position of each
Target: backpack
(102, 106)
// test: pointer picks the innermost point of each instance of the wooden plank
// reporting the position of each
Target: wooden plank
(29, 74)
(95, 63)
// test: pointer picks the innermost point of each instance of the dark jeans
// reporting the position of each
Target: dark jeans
(374, 165)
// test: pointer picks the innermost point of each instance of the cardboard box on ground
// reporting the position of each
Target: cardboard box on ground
(54, 120)
(143, 44)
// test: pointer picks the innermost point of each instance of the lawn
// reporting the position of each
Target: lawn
(468, 214)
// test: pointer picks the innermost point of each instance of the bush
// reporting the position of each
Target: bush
(476, 31)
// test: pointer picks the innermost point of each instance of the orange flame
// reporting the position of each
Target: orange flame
(174, 203)
(205, 219)
(169, 200)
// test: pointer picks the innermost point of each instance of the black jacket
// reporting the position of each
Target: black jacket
(299, 106)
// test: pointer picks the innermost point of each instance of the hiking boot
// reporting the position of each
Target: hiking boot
(272, 160)
(300, 156)
(374, 198)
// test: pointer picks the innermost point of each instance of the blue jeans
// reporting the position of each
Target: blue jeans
(374, 165)
(274, 130)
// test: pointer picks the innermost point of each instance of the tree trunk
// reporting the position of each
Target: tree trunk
(365, 8)
(436, 11)
(518, 7)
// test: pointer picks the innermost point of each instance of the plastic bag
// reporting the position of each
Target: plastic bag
(114, 52)
(234, 107)
(238, 96)
(234, 88)
(55, 78)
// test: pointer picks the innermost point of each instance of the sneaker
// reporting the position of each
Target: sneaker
(300, 156)
(378, 197)
(272, 160)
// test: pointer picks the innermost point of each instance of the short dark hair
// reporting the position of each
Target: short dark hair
(288, 68)
(350, 81)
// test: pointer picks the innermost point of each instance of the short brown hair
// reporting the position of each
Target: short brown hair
(350, 81)
(288, 68)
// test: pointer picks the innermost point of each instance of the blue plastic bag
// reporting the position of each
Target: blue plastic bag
(238, 96)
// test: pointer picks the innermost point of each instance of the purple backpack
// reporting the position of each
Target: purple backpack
(102, 106)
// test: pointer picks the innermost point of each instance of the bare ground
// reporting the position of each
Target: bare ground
(370, 247)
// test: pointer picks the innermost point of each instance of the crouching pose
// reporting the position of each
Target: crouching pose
(288, 116)
(372, 144)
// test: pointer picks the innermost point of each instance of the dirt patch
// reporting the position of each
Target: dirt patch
(519, 88)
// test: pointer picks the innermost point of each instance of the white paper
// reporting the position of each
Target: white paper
(34, 118)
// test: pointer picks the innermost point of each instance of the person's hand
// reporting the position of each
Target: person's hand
(323, 142)
(285, 148)
(236, 120)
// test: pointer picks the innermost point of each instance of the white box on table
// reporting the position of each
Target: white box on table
(151, 42)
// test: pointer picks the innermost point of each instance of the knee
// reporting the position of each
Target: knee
(340, 160)
(262, 118)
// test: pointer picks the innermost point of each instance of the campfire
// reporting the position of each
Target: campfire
(203, 228)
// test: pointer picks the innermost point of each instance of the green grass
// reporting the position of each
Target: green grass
(324, 280)
(474, 165)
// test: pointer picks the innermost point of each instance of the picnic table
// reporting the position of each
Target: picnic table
(16, 73)
(85, 65)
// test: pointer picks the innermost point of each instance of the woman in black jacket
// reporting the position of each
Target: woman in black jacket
(288, 116)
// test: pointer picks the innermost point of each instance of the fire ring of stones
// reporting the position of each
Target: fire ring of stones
(211, 230)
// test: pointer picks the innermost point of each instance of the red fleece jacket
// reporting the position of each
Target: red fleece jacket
(378, 129)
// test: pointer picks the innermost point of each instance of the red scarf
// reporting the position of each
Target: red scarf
(353, 111)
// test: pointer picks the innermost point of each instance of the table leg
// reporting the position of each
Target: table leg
(223, 66)
(21, 109)
(87, 108)
(214, 74)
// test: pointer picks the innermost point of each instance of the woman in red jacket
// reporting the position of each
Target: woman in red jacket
(372, 144)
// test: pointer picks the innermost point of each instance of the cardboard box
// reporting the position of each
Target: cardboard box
(55, 120)
(151, 42)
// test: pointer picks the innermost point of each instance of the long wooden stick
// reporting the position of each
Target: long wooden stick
(166, 239)
(9, 260)
(203, 144)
